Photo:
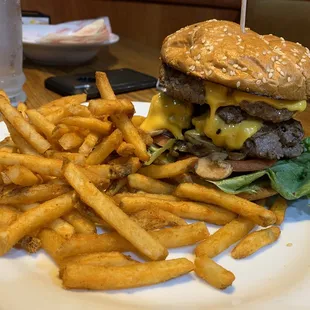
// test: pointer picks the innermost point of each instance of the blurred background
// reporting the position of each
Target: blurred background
(148, 22)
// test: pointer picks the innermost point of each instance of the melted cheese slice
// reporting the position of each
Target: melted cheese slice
(168, 113)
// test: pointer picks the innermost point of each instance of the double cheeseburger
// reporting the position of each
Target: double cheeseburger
(230, 96)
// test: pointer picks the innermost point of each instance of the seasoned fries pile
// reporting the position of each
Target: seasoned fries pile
(68, 169)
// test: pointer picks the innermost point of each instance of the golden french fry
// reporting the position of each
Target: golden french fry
(108, 210)
(61, 129)
(137, 120)
(169, 170)
(33, 219)
(57, 115)
(279, 209)
(125, 149)
(39, 143)
(41, 165)
(77, 158)
(250, 210)
(22, 108)
(255, 241)
(8, 215)
(51, 242)
(105, 148)
(81, 224)
(89, 143)
(41, 123)
(92, 124)
(104, 86)
(30, 244)
(262, 193)
(118, 197)
(63, 228)
(20, 175)
(152, 218)
(131, 135)
(48, 110)
(100, 107)
(78, 110)
(173, 237)
(224, 237)
(99, 259)
(149, 185)
(135, 275)
(70, 141)
(32, 194)
(184, 209)
(213, 273)
(61, 102)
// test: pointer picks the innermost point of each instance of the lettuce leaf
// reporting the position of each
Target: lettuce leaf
(290, 178)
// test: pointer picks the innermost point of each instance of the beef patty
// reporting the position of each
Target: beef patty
(191, 89)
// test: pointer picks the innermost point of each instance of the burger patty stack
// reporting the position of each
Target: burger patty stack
(230, 95)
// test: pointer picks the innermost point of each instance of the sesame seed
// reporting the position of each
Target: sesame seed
(298, 43)
(271, 70)
(288, 78)
(282, 39)
(203, 41)
(268, 52)
(277, 57)
(297, 66)
(270, 75)
(284, 63)
(258, 82)
(224, 70)
(282, 73)
(238, 84)
(198, 56)
(209, 72)
(303, 60)
(225, 29)
(267, 69)
(242, 47)
(264, 52)
(244, 69)
(264, 80)
(247, 89)
(224, 57)
(273, 58)
(257, 54)
(235, 66)
(232, 73)
(192, 68)
(278, 69)
(187, 52)
(230, 34)
(260, 74)
(295, 54)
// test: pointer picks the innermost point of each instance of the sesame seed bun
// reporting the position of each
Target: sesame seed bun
(219, 52)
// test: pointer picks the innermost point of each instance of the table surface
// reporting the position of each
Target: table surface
(124, 54)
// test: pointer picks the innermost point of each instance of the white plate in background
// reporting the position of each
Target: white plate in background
(277, 277)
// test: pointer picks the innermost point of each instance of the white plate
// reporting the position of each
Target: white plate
(277, 277)
(62, 53)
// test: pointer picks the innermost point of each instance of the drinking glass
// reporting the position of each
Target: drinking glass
(12, 77)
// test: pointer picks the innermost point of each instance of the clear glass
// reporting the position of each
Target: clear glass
(12, 77)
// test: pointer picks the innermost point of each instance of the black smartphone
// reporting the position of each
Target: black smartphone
(122, 81)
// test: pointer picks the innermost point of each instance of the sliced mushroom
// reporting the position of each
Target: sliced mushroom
(213, 170)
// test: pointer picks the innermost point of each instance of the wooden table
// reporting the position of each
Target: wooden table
(125, 54)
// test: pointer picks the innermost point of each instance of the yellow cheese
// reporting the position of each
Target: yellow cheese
(294, 106)
(168, 113)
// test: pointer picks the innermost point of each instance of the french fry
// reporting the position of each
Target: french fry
(108, 210)
(100, 107)
(78, 110)
(173, 237)
(57, 115)
(41, 123)
(32, 194)
(60, 130)
(20, 175)
(89, 143)
(29, 244)
(92, 124)
(262, 193)
(39, 143)
(63, 228)
(137, 120)
(51, 242)
(120, 277)
(152, 218)
(33, 219)
(184, 209)
(77, 158)
(131, 135)
(279, 209)
(125, 149)
(99, 259)
(80, 223)
(250, 210)
(104, 86)
(8, 215)
(118, 197)
(41, 165)
(255, 241)
(213, 273)
(224, 237)
(105, 148)
(169, 170)
(70, 140)
(149, 185)
(22, 108)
